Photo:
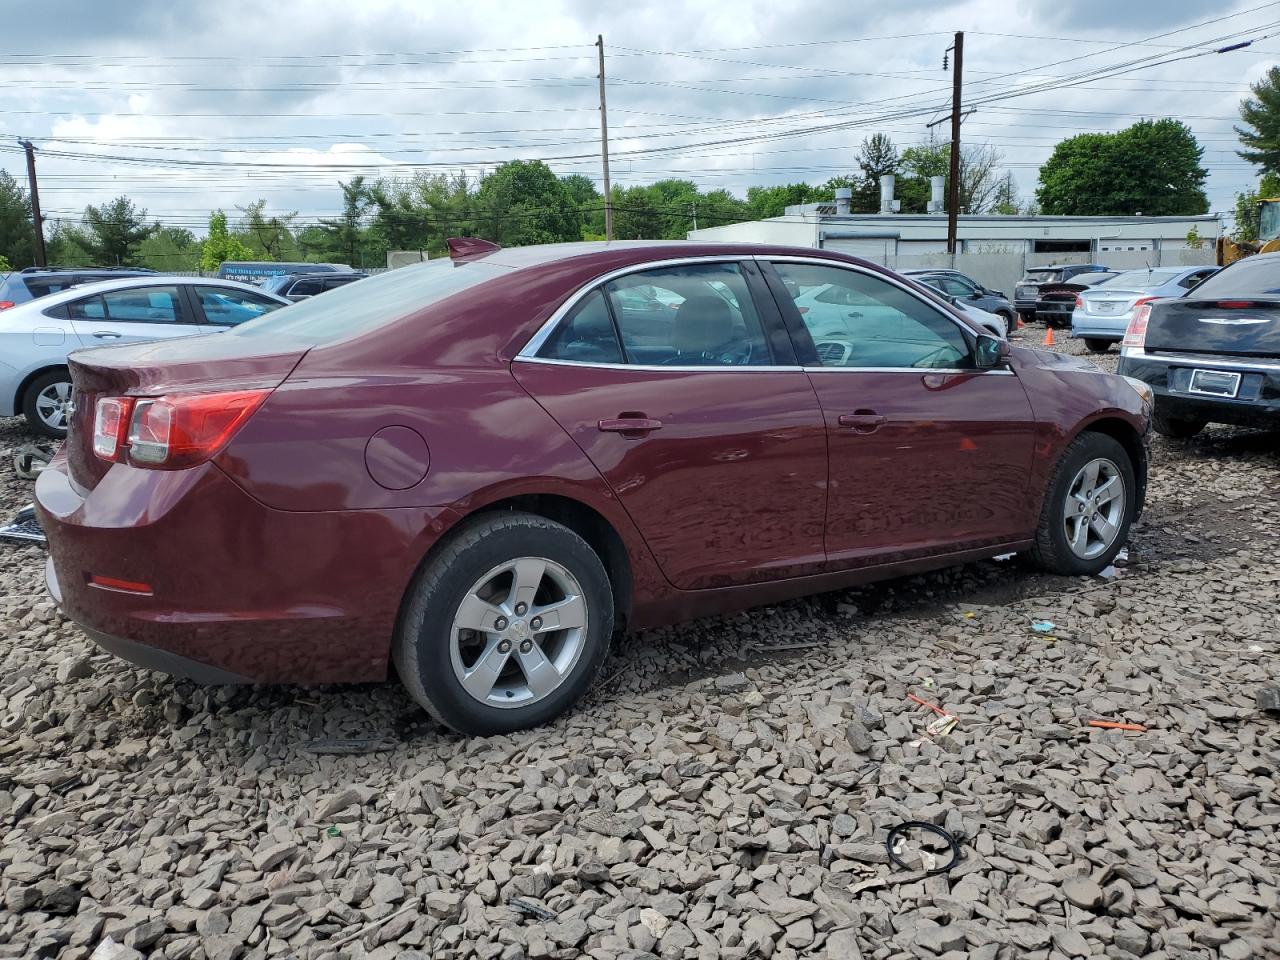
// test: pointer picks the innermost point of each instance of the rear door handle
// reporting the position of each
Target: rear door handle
(630, 427)
(862, 421)
(107, 335)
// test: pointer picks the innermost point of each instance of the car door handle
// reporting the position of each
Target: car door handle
(107, 335)
(630, 427)
(862, 421)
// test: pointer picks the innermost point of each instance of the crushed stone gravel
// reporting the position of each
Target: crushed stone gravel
(713, 797)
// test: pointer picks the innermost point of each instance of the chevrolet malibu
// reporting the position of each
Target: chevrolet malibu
(475, 471)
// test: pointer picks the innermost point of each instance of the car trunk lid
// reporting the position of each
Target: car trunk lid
(1246, 327)
(188, 365)
(1110, 302)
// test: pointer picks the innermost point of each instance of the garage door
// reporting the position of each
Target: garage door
(907, 248)
(872, 248)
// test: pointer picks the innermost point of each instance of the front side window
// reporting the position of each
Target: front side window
(307, 288)
(145, 305)
(862, 321)
(226, 307)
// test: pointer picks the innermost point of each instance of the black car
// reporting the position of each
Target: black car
(300, 286)
(1212, 355)
(32, 283)
(1055, 302)
(1027, 292)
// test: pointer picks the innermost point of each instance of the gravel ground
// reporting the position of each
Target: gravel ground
(726, 790)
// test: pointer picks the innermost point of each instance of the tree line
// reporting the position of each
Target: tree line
(1152, 167)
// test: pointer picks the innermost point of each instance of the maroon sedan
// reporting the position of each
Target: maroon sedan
(479, 468)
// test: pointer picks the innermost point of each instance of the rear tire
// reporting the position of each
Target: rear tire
(1176, 428)
(505, 571)
(45, 403)
(1069, 504)
(1097, 346)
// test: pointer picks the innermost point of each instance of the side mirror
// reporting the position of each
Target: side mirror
(976, 295)
(990, 351)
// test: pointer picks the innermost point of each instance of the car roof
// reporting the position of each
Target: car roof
(149, 280)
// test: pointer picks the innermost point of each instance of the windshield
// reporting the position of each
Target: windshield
(1042, 276)
(1140, 279)
(1251, 277)
(358, 307)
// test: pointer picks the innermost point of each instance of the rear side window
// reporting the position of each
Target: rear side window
(585, 335)
(696, 316)
(359, 307)
(146, 305)
(307, 288)
(43, 286)
(1252, 276)
(90, 308)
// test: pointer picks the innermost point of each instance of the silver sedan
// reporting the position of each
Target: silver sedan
(1102, 312)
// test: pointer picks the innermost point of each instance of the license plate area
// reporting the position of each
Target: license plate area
(1106, 307)
(1215, 383)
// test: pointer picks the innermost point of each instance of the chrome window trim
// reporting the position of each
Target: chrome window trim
(658, 368)
(972, 371)
(530, 350)
(1183, 360)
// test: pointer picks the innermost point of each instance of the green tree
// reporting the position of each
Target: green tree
(115, 231)
(68, 245)
(877, 157)
(270, 238)
(170, 249)
(1005, 201)
(17, 229)
(345, 239)
(590, 204)
(522, 203)
(1152, 167)
(421, 212)
(764, 202)
(1261, 115)
(1246, 208)
(221, 245)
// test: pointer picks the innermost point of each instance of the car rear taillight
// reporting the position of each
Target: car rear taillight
(1136, 333)
(110, 425)
(1079, 303)
(6, 304)
(1234, 304)
(171, 432)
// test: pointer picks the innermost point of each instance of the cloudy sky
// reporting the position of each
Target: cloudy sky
(185, 108)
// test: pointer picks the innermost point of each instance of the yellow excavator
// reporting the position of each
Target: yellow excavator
(1268, 241)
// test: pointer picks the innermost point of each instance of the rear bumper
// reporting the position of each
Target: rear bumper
(1257, 403)
(1099, 328)
(239, 592)
(1054, 314)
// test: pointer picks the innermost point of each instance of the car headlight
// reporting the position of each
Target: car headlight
(1142, 388)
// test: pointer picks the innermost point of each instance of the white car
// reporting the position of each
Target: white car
(35, 337)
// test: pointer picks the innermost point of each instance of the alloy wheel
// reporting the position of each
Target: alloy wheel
(1094, 509)
(518, 632)
(53, 405)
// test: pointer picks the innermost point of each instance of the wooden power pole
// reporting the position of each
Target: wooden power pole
(604, 147)
(953, 187)
(38, 220)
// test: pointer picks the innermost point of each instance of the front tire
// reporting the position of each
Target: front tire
(46, 403)
(506, 627)
(1097, 346)
(1176, 428)
(1090, 503)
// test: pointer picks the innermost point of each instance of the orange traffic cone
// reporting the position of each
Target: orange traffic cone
(1048, 336)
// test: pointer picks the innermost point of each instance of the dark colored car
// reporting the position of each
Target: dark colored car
(1026, 294)
(1213, 354)
(300, 286)
(1057, 301)
(32, 283)
(972, 293)
(477, 469)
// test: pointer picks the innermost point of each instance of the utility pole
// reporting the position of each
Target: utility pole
(35, 202)
(953, 195)
(604, 147)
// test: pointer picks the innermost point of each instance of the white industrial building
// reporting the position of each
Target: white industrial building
(994, 249)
